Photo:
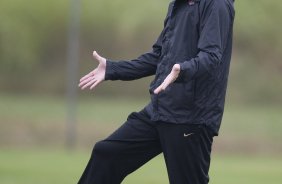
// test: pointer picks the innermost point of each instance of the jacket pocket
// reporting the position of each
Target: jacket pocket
(178, 97)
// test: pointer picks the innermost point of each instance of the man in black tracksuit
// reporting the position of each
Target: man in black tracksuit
(190, 61)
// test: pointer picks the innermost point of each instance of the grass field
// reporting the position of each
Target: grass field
(61, 167)
(32, 137)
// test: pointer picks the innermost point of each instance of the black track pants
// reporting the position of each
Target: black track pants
(186, 149)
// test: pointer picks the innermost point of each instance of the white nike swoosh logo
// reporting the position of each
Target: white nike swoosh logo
(186, 135)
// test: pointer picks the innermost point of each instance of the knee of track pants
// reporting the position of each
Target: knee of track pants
(103, 148)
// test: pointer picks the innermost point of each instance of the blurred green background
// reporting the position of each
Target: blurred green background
(33, 75)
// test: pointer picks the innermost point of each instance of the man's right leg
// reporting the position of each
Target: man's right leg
(127, 149)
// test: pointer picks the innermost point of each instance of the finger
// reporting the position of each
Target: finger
(85, 81)
(158, 89)
(95, 84)
(86, 76)
(89, 83)
(165, 84)
(91, 74)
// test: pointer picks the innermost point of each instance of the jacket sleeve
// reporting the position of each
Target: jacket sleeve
(145, 65)
(215, 25)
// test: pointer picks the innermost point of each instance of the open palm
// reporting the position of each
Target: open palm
(96, 76)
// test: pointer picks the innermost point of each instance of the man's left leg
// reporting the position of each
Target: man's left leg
(187, 150)
(128, 148)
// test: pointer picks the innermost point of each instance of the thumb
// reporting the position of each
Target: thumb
(97, 56)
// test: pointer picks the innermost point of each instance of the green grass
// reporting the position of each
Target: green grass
(246, 170)
(37, 166)
(61, 167)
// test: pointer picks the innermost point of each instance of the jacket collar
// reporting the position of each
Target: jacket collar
(188, 0)
(191, 2)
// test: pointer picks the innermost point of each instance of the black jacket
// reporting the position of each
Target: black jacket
(197, 34)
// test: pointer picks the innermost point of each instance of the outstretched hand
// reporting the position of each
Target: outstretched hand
(169, 79)
(96, 76)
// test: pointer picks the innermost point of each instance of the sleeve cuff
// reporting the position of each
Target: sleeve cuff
(187, 71)
(109, 74)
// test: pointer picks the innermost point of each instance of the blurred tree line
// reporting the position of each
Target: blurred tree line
(33, 37)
